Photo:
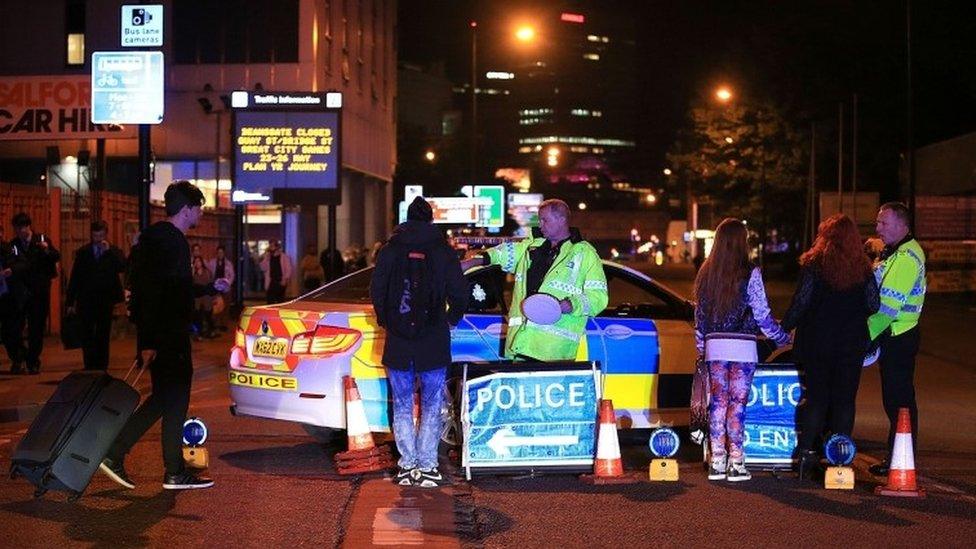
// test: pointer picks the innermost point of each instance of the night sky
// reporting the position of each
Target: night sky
(807, 56)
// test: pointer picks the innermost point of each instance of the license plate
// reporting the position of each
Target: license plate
(270, 347)
(261, 381)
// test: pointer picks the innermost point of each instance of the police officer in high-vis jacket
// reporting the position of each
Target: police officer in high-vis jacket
(559, 263)
(901, 278)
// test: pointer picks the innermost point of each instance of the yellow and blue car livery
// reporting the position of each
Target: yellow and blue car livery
(288, 360)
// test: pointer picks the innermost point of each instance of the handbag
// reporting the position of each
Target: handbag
(698, 426)
(72, 332)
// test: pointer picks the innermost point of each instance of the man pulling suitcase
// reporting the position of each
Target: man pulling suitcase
(162, 308)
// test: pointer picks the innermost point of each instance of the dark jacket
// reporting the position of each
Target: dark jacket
(33, 268)
(94, 285)
(433, 349)
(161, 281)
(830, 323)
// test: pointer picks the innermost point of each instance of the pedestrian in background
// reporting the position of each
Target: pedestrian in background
(222, 267)
(161, 280)
(418, 293)
(6, 300)
(835, 296)
(311, 271)
(94, 288)
(277, 268)
(33, 262)
(894, 328)
(202, 303)
(332, 264)
(731, 309)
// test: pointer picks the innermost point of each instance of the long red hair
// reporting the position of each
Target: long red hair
(719, 281)
(838, 253)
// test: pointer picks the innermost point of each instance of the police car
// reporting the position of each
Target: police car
(288, 360)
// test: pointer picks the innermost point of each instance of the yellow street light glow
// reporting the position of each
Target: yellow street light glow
(525, 33)
(553, 151)
(582, 205)
(723, 94)
(552, 161)
(667, 171)
(430, 156)
(651, 199)
(729, 140)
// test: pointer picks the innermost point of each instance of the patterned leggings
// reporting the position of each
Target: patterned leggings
(730, 383)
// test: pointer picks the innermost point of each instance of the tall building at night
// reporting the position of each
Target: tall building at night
(558, 90)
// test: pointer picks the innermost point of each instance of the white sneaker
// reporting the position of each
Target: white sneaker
(716, 469)
(737, 472)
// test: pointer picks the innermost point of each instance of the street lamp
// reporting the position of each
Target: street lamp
(525, 33)
(723, 94)
(430, 156)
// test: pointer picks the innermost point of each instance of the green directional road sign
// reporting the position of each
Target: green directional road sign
(494, 215)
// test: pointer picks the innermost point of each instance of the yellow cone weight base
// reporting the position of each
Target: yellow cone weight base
(839, 478)
(196, 457)
(663, 470)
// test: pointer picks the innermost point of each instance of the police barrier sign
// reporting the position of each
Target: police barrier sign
(530, 419)
(770, 435)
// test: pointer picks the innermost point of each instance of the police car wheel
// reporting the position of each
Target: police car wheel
(322, 435)
(451, 434)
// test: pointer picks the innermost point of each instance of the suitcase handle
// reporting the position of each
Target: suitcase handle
(135, 363)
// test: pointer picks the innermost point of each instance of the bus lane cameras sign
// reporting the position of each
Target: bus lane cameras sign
(142, 25)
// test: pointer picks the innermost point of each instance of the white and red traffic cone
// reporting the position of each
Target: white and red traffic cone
(901, 467)
(608, 468)
(363, 455)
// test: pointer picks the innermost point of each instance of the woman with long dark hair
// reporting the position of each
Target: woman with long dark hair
(834, 298)
(731, 309)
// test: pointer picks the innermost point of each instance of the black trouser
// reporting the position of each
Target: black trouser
(829, 398)
(897, 364)
(172, 373)
(98, 332)
(9, 311)
(34, 312)
(276, 292)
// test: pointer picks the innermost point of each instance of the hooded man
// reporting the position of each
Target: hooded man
(419, 293)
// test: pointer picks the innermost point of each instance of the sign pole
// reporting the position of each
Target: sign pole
(242, 256)
(145, 154)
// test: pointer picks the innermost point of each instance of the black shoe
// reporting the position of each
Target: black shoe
(186, 481)
(116, 471)
(17, 368)
(34, 369)
(430, 478)
(405, 477)
(879, 469)
(809, 465)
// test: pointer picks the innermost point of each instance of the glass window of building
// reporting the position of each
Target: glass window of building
(235, 31)
(74, 31)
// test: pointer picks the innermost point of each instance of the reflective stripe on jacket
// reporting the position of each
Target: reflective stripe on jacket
(576, 274)
(902, 285)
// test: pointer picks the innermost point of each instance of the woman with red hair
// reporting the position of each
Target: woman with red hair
(731, 309)
(834, 298)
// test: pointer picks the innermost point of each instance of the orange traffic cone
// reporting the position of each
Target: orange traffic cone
(357, 427)
(363, 455)
(608, 467)
(901, 471)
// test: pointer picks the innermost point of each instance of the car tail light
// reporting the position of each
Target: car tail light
(325, 340)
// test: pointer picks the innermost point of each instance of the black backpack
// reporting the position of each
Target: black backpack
(410, 296)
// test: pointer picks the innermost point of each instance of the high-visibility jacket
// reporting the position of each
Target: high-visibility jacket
(576, 274)
(902, 284)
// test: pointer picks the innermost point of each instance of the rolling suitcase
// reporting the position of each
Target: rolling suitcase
(69, 438)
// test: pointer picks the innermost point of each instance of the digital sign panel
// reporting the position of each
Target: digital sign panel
(286, 149)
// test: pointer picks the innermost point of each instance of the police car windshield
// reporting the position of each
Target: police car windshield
(352, 288)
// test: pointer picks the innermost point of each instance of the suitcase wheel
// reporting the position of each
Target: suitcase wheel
(40, 492)
(73, 497)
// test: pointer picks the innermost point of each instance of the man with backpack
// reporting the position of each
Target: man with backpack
(419, 293)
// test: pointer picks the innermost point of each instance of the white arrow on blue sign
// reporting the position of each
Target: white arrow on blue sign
(531, 418)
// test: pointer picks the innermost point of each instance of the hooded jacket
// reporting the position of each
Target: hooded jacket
(433, 349)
